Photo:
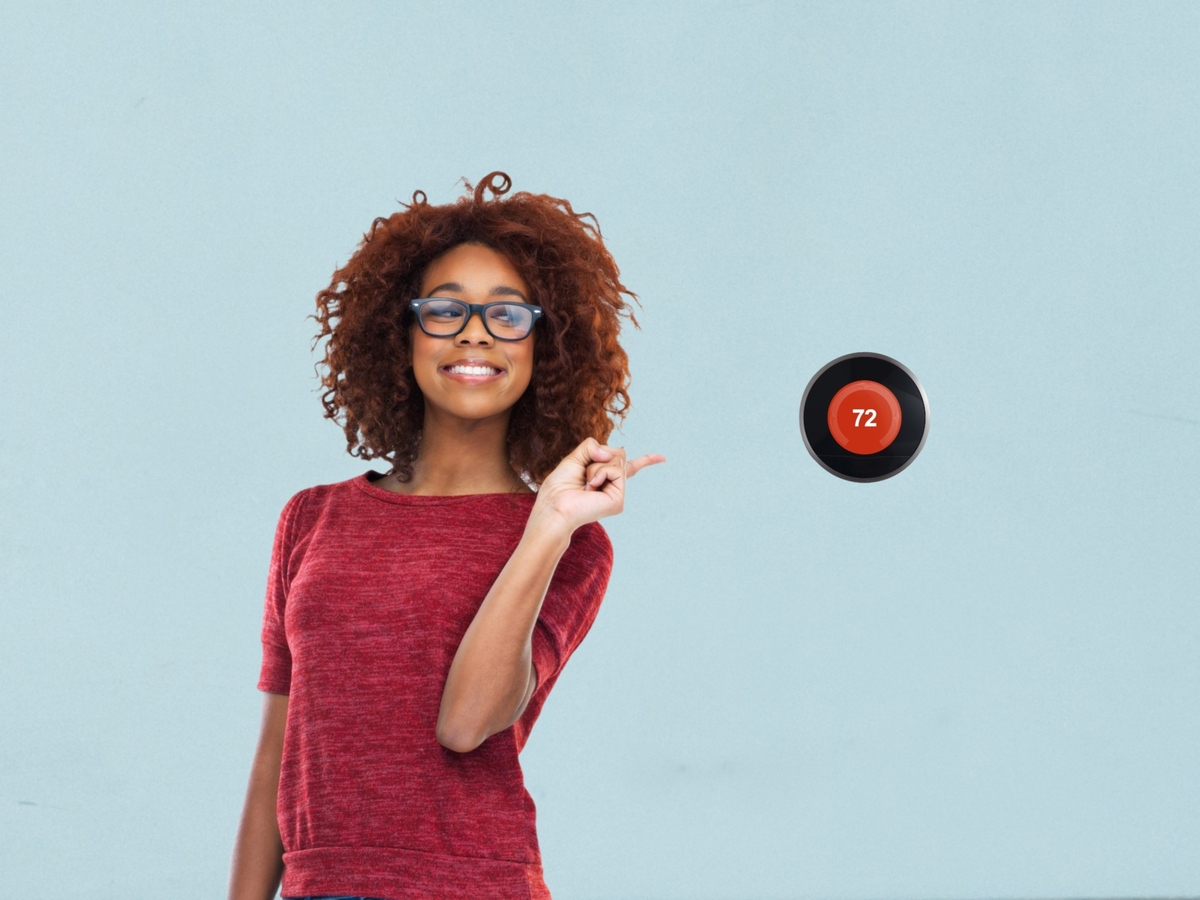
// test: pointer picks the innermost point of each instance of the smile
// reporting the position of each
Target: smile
(472, 373)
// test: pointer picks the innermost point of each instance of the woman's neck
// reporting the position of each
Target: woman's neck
(459, 456)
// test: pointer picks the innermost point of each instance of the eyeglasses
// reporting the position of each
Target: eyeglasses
(504, 320)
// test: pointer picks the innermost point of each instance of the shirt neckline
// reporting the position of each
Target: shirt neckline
(373, 490)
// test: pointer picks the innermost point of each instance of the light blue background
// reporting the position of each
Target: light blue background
(978, 679)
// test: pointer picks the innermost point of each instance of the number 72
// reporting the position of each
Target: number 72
(858, 414)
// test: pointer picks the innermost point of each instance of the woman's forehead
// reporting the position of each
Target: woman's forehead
(471, 268)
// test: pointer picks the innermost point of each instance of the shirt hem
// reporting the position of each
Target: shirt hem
(397, 873)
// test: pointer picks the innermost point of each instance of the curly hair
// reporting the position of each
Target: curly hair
(580, 372)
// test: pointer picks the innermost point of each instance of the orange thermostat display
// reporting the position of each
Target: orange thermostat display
(864, 417)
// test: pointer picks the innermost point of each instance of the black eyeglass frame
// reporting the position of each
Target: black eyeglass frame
(417, 302)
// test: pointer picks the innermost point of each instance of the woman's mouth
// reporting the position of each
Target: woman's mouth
(471, 374)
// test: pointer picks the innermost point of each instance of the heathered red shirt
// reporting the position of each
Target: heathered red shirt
(368, 596)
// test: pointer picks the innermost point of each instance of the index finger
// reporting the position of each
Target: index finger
(650, 459)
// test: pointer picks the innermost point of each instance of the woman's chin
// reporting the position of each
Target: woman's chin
(474, 412)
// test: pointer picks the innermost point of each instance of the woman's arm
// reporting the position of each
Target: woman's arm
(258, 852)
(491, 678)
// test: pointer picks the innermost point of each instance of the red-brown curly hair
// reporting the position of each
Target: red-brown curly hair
(580, 371)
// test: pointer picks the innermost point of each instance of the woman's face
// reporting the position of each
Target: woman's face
(472, 273)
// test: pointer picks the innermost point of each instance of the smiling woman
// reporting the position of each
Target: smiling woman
(560, 264)
(415, 621)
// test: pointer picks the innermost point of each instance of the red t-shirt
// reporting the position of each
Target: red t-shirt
(368, 596)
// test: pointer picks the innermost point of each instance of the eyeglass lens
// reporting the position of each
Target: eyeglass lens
(503, 320)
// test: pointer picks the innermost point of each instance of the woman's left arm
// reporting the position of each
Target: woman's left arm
(492, 677)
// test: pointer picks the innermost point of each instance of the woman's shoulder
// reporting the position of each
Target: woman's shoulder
(590, 546)
(592, 533)
(308, 501)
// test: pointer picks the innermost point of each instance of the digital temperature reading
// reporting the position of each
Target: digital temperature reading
(864, 417)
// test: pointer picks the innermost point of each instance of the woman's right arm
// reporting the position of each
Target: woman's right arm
(258, 853)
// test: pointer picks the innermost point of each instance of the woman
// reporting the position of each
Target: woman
(415, 622)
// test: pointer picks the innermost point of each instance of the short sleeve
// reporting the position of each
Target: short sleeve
(571, 605)
(275, 674)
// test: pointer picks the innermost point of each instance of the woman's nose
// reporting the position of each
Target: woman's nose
(474, 332)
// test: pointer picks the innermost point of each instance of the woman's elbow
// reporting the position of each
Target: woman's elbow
(459, 740)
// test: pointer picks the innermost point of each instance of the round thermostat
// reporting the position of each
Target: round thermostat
(864, 417)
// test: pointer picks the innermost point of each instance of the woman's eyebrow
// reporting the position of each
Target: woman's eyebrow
(501, 290)
(498, 291)
(448, 286)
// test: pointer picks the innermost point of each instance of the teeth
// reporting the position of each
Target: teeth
(474, 370)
